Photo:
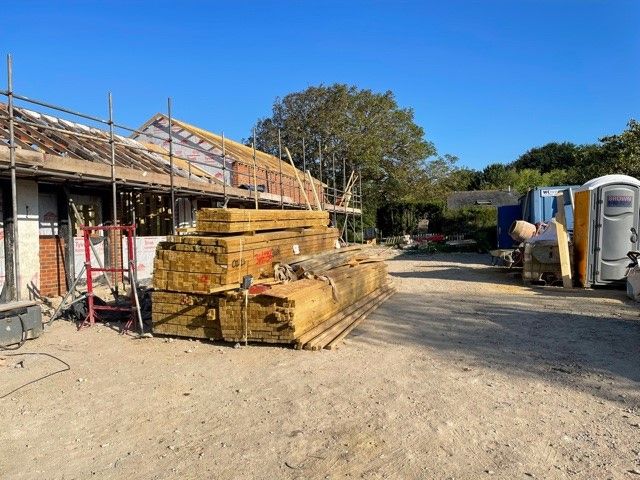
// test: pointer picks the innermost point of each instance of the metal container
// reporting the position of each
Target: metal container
(540, 204)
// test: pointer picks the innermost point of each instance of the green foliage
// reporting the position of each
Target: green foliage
(549, 157)
(478, 223)
(400, 218)
(469, 219)
(615, 154)
(566, 163)
(367, 131)
(403, 179)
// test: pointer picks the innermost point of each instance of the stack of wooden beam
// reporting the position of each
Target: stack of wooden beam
(197, 279)
(185, 315)
(312, 312)
(239, 220)
(227, 245)
(208, 264)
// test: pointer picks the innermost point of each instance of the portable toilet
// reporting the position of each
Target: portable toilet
(540, 204)
(605, 229)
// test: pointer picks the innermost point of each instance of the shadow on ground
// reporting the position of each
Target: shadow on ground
(574, 337)
(517, 341)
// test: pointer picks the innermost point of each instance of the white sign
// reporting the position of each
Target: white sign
(145, 253)
(550, 192)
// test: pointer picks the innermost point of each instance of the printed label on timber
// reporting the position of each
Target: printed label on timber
(619, 200)
(264, 256)
(238, 263)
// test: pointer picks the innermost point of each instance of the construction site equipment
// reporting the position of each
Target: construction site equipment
(542, 264)
(633, 276)
(128, 266)
(508, 257)
(606, 225)
(521, 231)
(19, 321)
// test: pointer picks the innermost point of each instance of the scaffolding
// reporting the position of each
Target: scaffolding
(33, 138)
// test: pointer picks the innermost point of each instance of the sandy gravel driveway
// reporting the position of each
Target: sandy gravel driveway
(463, 374)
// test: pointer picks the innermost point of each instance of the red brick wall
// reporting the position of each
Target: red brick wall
(52, 267)
(242, 174)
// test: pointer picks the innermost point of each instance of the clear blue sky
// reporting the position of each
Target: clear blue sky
(487, 79)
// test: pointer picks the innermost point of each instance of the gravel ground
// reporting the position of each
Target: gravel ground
(463, 374)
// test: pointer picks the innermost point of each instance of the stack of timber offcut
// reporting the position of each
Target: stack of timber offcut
(197, 279)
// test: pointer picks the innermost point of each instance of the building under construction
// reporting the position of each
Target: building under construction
(60, 169)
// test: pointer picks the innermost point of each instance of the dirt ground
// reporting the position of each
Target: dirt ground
(463, 374)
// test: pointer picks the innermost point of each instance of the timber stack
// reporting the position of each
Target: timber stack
(306, 291)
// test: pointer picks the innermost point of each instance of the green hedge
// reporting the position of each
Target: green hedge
(478, 223)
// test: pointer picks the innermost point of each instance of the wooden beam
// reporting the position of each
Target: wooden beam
(313, 189)
(295, 170)
(563, 243)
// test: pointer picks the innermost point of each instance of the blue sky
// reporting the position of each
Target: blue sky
(487, 79)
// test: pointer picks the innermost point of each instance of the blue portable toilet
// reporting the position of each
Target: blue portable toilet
(540, 204)
(507, 214)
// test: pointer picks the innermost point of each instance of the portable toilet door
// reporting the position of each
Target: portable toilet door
(618, 212)
(611, 232)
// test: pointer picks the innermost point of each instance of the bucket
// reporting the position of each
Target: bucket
(521, 231)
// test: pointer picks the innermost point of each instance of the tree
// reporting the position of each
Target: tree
(361, 130)
(494, 177)
(552, 156)
(614, 154)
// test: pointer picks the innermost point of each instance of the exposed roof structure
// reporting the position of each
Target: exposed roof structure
(56, 136)
(479, 198)
(58, 150)
(210, 142)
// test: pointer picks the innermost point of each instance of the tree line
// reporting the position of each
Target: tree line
(335, 129)
(559, 164)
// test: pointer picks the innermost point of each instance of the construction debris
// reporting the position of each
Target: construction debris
(301, 289)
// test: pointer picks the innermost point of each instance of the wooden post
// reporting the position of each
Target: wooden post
(295, 171)
(313, 189)
(563, 243)
(255, 181)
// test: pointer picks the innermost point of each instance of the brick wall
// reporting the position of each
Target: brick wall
(52, 266)
(242, 174)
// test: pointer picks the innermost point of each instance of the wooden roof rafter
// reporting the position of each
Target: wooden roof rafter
(35, 131)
